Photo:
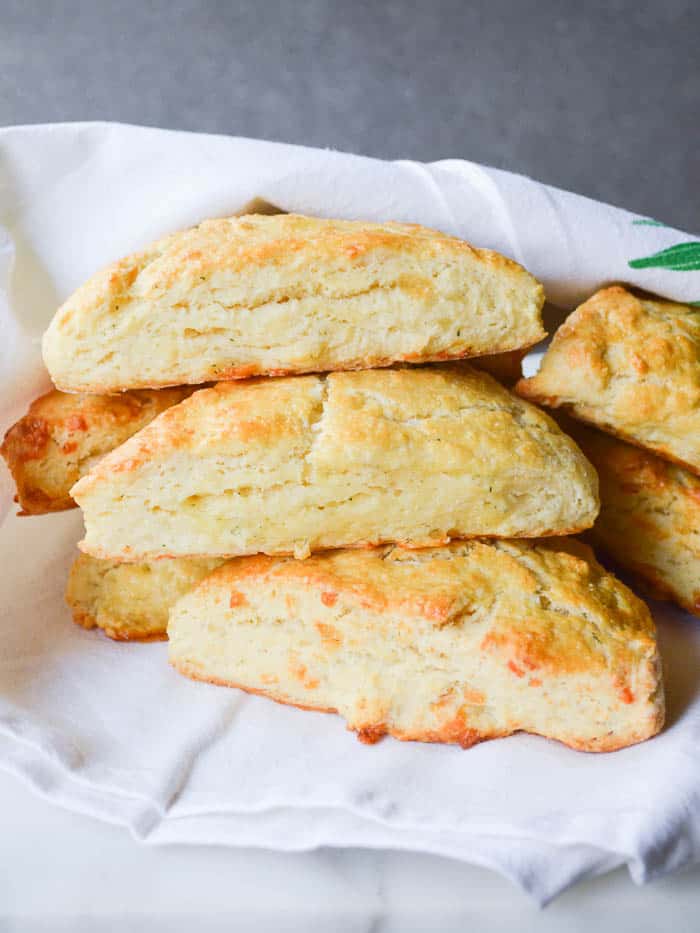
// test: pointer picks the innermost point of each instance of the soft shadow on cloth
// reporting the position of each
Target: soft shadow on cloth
(32, 299)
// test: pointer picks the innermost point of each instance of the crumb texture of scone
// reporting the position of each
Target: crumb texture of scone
(62, 436)
(130, 602)
(649, 520)
(416, 456)
(270, 295)
(459, 644)
(631, 366)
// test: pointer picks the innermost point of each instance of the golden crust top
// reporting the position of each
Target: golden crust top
(371, 417)
(62, 436)
(237, 243)
(417, 455)
(549, 605)
(649, 520)
(631, 366)
(451, 644)
(269, 295)
(230, 417)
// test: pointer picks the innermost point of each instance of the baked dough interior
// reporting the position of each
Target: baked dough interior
(457, 644)
(416, 455)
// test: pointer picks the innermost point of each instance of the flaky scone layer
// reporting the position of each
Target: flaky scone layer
(254, 295)
(649, 519)
(294, 465)
(457, 644)
(131, 602)
(62, 436)
(630, 366)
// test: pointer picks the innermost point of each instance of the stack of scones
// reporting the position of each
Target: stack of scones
(285, 465)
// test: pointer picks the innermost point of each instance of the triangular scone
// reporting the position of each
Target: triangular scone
(62, 436)
(649, 520)
(243, 296)
(458, 644)
(130, 602)
(304, 463)
(631, 366)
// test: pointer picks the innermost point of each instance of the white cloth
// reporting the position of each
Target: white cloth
(109, 729)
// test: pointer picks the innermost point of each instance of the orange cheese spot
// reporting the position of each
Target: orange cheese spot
(329, 598)
(626, 695)
(69, 447)
(515, 669)
(127, 465)
(639, 364)
(535, 682)
(330, 636)
(302, 675)
(76, 423)
(237, 599)
(473, 697)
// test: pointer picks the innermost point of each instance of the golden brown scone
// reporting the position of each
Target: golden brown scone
(649, 519)
(505, 367)
(270, 295)
(418, 455)
(457, 644)
(130, 602)
(62, 436)
(631, 366)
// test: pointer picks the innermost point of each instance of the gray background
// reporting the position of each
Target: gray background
(599, 97)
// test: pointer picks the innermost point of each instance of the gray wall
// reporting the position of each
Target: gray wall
(599, 97)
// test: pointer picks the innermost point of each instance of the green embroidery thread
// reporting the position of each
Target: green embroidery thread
(683, 257)
(648, 222)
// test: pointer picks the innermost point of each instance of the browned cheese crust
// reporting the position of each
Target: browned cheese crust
(457, 644)
(62, 436)
(630, 366)
(649, 520)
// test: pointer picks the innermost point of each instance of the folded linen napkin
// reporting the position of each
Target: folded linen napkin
(110, 730)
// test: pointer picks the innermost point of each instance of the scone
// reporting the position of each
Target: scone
(631, 366)
(417, 456)
(649, 519)
(130, 602)
(457, 644)
(270, 295)
(62, 436)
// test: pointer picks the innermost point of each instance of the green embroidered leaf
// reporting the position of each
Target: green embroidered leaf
(683, 257)
(648, 222)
